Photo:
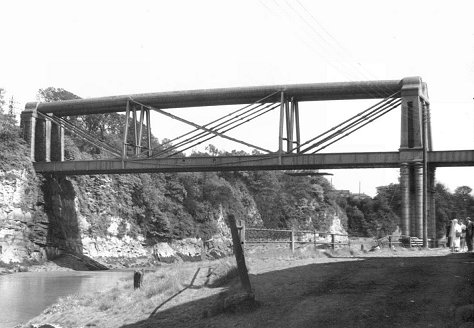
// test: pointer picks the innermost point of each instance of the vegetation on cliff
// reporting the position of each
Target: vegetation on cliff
(380, 215)
(13, 152)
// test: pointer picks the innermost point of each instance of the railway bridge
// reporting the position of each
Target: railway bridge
(44, 124)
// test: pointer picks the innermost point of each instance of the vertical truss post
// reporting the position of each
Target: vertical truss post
(289, 138)
(292, 125)
(47, 140)
(282, 118)
(148, 128)
(135, 135)
(140, 129)
(125, 132)
(297, 122)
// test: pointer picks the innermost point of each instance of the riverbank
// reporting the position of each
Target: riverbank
(384, 288)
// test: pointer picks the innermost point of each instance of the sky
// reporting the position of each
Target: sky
(105, 48)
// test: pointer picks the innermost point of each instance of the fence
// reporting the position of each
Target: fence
(404, 241)
(292, 237)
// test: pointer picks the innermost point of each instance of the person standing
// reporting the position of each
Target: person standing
(448, 234)
(469, 233)
(455, 233)
(463, 235)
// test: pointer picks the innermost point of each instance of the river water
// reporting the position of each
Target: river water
(25, 295)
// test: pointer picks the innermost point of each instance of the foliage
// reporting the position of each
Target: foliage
(2, 100)
(379, 216)
(13, 151)
(369, 217)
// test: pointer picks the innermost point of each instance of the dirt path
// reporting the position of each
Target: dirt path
(404, 289)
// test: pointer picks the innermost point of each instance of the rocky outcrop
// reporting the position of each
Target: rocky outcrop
(23, 226)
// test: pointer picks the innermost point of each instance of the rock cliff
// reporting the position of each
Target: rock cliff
(105, 218)
(23, 224)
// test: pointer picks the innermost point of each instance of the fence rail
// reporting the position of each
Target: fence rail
(291, 237)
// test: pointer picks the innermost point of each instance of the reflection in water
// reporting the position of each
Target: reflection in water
(25, 295)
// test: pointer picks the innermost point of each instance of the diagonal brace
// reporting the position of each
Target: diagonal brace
(201, 127)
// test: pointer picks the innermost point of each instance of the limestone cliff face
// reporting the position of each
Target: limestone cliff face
(75, 229)
(91, 216)
(23, 225)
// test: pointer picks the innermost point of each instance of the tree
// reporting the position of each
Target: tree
(2, 99)
(463, 201)
(51, 94)
(12, 107)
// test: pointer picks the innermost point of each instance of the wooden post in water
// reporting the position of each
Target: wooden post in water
(239, 255)
(137, 278)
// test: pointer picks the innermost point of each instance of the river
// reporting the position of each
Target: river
(25, 295)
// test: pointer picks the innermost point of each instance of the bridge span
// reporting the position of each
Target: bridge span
(256, 162)
(43, 126)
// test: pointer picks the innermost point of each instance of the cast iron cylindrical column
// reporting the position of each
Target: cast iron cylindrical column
(405, 194)
(28, 127)
(411, 184)
(40, 140)
(432, 205)
(57, 143)
(418, 200)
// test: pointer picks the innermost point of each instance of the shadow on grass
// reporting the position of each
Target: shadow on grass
(191, 284)
(367, 292)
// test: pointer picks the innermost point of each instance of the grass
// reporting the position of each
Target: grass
(224, 272)
(124, 303)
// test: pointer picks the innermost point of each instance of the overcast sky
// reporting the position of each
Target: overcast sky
(102, 48)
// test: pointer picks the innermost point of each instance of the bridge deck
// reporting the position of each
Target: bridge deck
(257, 162)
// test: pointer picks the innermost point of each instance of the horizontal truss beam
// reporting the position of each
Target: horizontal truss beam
(258, 162)
(227, 96)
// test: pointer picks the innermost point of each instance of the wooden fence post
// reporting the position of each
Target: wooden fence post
(239, 255)
(333, 240)
(292, 241)
(242, 232)
(390, 241)
(203, 250)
